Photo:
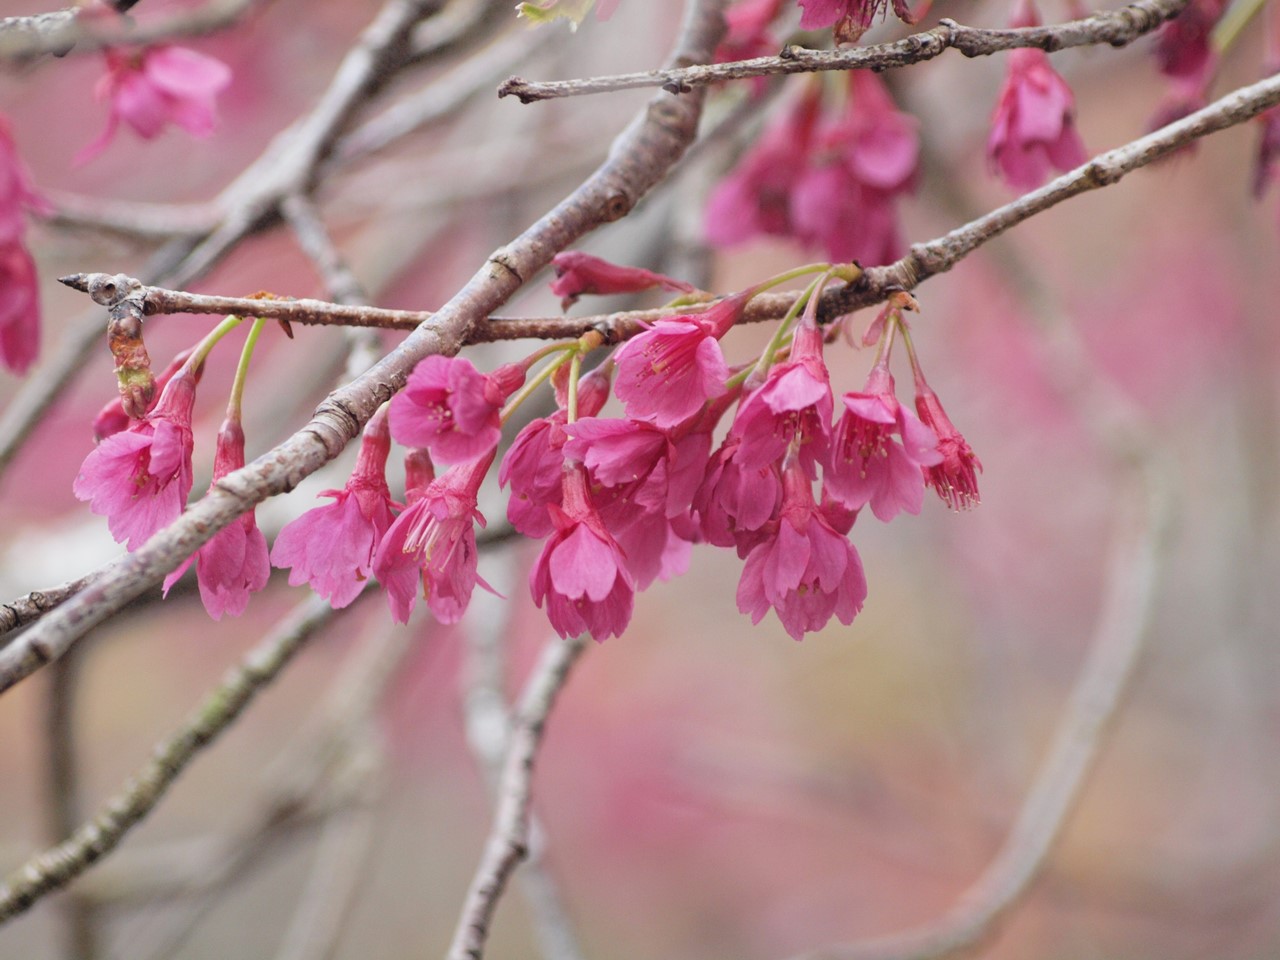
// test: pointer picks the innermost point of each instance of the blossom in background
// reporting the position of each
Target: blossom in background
(1183, 45)
(747, 34)
(578, 273)
(830, 182)
(19, 308)
(332, 547)
(851, 18)
(20, 304)
(755, 198)
(139, 478)
(1033, 128)
(434, 542)
(233, 563)
(581, 577)
(452, 409)
(805, 570)
(159, 86)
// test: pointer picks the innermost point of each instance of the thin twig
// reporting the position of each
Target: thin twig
(34, 605)
(78, 914)
(1115, 27)
(93, 840)
(506, 845)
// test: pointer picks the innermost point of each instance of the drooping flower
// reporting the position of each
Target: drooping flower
(112, 417)
(792, 406)
(451, 409)
(851, 18)
(159, 86)
(19, 308)
(139, 479)
(805, 571)
(733, 504)
(869, 466)
(1033, 129)
(434, 541)
(862, 161)
(332, 547)
(581, 577)
(233, 563)
(669, 372)
(534, 463)
(954, 476)
(578, 273)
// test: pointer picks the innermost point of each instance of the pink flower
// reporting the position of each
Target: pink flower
(1183, 45)
(852, 18)
(578, 273)
(162, 85)
(332, 547)
(791, 408)
(17, 193)
(1268, 154)
(846, 200)
(748, 34)
(452, 409)
(534, 463)
(806, 571)
(139, 479)
(755, 198)
(434, 541)
(669, 372)
(112, 418)
(953, 476)
(734, 503)
(867, 464)
(1033, 129)
(19, 308)
(581, 576)
(233, 563)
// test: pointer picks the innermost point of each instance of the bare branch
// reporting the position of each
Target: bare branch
(506, 846)
(1116, 28)
(57, 866)
(33, 606)
(64, 31)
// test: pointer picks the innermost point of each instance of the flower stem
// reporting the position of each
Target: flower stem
(575, 371)
(1232, 24)
(242, 369)
(784, 329)
(205, 346)
(544, 374)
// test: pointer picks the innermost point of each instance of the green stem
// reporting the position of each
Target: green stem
(544, 374)
(784, 328)
(205, 346)
(575, 371)
(1232, 25)
(242, 369)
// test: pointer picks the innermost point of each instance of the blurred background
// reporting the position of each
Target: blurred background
(707, 788)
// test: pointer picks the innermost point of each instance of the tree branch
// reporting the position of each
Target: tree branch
(93, 840)
(1114, 27)
(506, 845)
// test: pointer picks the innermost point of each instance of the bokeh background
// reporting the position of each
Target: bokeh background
(707, 788)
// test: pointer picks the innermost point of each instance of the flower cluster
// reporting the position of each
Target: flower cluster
(762, 458)
(828, 179)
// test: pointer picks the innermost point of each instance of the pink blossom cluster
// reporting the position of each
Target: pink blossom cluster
(828, 179)
(618, 501)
